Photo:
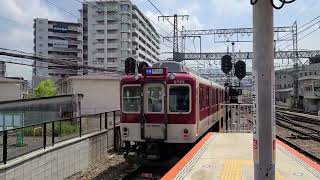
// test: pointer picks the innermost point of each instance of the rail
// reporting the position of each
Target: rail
(23, 140)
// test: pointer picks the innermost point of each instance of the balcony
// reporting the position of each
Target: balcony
(113, 26)
(113, 36)
(113, 45)
(112, 55)
(99, 17)
(113, 17)
(114, 8)
(64, 56)
(99, 36)
(99, 55)
(100, 46)
(99, 26)
(64, 49)
(112, 64)
(64, 35)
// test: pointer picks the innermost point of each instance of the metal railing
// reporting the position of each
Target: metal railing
(238, 117)
(23, 140)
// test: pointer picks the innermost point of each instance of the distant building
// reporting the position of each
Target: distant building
(114, 30)
(2, 69)
(60, 40)
(12, 89)
(308, 89)
(101, 93)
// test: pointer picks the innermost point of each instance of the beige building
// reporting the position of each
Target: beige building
(101, 93)
(12, 89)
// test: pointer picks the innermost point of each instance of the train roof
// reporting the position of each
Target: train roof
(181, 70)
(175, 67)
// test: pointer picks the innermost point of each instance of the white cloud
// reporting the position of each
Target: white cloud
(16, 17)
(232, 8)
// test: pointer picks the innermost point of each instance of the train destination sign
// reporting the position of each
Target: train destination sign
(154, 71)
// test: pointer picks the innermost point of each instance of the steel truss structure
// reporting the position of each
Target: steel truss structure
(248, 55)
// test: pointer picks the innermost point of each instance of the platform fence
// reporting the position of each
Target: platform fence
(23, 140)
(238, 117)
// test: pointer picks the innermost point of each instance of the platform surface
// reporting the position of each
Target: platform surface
(229, 156)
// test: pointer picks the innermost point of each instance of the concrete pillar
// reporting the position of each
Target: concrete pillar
(263, 72)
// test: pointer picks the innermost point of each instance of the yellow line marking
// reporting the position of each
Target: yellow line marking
(232, 169)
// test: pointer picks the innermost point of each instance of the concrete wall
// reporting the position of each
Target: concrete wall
(59, 161)
(98, 95)
(10, 91)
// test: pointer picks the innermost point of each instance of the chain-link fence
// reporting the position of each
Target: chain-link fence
(20, 141)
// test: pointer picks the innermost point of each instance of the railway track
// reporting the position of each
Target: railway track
(299, 131)
(152, 172)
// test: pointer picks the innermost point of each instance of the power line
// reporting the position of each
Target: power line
(36, 57)
(160, 12)
(55, 5)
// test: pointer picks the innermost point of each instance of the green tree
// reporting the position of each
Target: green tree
(45, 88)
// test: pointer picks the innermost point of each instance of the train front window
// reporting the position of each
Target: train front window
(179, 99)
(155, 99)
(131, 99)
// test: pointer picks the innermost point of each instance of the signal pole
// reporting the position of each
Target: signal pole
(175, 33)
(263, 93)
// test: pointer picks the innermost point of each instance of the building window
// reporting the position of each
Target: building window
(124, 36)
(124, 7)
(124, 27)
(306, 74)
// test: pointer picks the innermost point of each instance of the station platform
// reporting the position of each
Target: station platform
(229, 156)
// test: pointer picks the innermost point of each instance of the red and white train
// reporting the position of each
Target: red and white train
(167, 107)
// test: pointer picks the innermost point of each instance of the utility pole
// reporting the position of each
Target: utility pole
(295, 74)
(263, 93)
(175, 33)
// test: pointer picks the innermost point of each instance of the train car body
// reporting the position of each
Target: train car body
(167, 106)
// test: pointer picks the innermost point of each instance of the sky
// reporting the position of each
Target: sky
(16, 21)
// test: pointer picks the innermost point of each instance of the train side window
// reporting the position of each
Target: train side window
(201, 97)
(179, 98)
(217, 96)
(207, 96)
(131, 99)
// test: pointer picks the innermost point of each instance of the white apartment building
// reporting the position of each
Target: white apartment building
(60, 40)
(114, 30)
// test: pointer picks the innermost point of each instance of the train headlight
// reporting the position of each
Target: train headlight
(136, 77)
(125, 131)
(185, 132)
(172, 76)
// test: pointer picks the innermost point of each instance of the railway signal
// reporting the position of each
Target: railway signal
(240, 69)
(141, 66)
(130, 65)
(226, 64)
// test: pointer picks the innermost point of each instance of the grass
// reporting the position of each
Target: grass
(61, 128)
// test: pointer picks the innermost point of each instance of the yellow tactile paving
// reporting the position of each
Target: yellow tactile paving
(232, 169)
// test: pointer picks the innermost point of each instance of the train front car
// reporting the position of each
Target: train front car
(158, 110)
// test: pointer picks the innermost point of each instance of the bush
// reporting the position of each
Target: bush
(33, 131)
(65, 128)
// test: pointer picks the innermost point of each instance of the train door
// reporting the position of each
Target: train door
(154, 111)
